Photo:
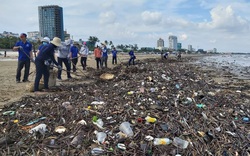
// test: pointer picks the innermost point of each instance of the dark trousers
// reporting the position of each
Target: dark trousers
(74, 62)
(66, 62)
(98, 62)
(104, 60)
(84, 62)
(26, 65)
(114, 60)
(132, 59)
(41, 70)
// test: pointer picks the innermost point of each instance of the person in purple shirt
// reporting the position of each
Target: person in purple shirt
(25, 55)
(43, 59)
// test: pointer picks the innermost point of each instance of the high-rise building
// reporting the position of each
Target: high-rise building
(190, 48)
(179, 46)
(160, 43)
(172, 42)
(51, 21)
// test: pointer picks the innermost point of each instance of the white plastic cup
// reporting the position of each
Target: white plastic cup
(125, 128)
(178, 142)
(101, 136)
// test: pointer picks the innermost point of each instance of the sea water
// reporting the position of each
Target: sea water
(235, 59)
(237, 64)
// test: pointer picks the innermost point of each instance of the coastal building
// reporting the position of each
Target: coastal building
(190, 48)
(179, 46)
(33, 35)
(215, 50)
(172, 42)
(51, 21)
(160, 43)
(9, 34)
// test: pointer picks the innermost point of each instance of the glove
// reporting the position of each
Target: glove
(59, 67)
(20, 47)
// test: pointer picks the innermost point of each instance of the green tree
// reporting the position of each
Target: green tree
(111, 43)
(91, 42)
(8, 42)
(106, 42)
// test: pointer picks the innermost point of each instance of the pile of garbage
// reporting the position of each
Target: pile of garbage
(152, 108)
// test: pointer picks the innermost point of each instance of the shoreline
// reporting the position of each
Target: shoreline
(10, 88)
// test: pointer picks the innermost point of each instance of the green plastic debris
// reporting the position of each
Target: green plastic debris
(9, 113)
(35, 121)
(200, 105)
(95, 118)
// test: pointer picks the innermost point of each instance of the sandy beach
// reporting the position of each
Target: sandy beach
(11, 91)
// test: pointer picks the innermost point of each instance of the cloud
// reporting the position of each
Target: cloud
(225, 19)
(151, 18)
(108, 17)
(213, 41)
(183, 37)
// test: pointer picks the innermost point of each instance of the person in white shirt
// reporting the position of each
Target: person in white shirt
(63, 57)
(84, 51)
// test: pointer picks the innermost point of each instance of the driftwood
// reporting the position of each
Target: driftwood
(183, 100)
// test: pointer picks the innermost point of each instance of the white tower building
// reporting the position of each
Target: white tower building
(172, 42)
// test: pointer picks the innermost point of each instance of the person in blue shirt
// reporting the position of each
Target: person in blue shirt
(43, 65)
(104, 59)
(165, 55)
(45, 41)
(25, 55)
(73, 55)
(132, 57)
(114, 58)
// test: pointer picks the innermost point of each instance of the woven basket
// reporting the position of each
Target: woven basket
(107, 76)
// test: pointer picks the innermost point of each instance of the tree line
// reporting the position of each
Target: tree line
(9, 42)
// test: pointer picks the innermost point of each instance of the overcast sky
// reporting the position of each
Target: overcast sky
(204, 24)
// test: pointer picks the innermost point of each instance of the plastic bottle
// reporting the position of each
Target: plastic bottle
(162, 141)
(178, 142)
(101, 136)
(245, 119)
(150, 119)
(97, 151)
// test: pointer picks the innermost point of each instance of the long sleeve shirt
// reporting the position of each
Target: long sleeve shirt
(64, 51)
(46, 53)
(104, 52)
(84, 51)
(131, 53)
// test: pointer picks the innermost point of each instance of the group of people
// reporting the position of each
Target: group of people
(68, 53)
(101, 56)
(165, 55)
